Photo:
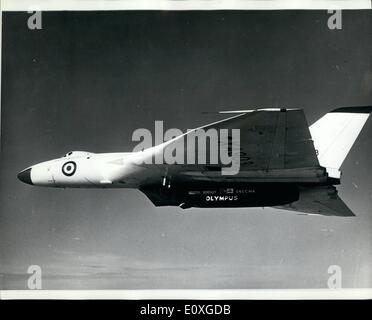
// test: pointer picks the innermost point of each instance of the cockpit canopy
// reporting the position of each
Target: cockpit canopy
(77, 154)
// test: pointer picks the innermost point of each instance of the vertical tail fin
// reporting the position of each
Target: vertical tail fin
(335, 133)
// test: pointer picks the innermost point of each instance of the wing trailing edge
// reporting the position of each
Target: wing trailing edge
(322, 200)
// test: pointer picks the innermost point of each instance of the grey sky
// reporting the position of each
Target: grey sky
(86, 81)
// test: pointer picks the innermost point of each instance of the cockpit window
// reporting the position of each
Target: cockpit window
(76, 153)
(68, 154)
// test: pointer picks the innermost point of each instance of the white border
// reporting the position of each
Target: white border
(234, 294)
(50, 5)
(267, 294)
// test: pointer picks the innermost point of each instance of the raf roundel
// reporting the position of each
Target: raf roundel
(69, 168)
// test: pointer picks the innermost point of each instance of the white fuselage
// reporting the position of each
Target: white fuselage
(85, 169)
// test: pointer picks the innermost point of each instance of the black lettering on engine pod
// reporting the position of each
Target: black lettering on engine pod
(69, 168)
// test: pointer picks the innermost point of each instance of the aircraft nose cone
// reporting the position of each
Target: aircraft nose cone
(25, 176)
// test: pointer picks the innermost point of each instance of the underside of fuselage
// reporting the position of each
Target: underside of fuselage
(318, 199)
(212, 195)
